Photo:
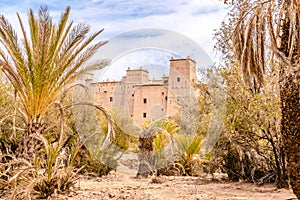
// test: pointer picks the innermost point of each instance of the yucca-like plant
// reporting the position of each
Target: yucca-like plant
(164, 143)
(188, 146)
(42, 63)
(147, 144)
(161, 138)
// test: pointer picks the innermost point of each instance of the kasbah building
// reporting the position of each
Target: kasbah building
(137, 96)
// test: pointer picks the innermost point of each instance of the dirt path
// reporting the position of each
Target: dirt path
(123, 185)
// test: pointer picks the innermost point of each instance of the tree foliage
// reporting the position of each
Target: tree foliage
(255, 35)
(251, 143)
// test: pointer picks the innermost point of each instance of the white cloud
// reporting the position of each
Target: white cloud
(156, 61)
(192, 18)
(147, 47)
(195, 19)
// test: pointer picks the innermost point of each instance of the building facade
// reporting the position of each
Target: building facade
(137, 96)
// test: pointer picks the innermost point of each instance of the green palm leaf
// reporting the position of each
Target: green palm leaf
(42, 63)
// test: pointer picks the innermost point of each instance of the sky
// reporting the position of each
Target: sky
(182, 21)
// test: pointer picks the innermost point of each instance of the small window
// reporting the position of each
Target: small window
(178, 79)
(110, 99)
(105, 91)
(145, 100)
(144, 115)
(162, 93)
(132, 95)
(166, 98)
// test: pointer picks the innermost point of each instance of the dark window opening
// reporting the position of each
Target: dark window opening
(105, 91)
(144, 115)
(110, 99)
(145, 100)
(178, 79)
(162, 93)
(166, 98)
(132, 95)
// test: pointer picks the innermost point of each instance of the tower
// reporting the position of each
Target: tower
(182, 76)
(182, 81)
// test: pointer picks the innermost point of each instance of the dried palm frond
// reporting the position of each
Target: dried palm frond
(261, 29)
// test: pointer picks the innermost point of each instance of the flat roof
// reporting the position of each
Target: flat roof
(108, 82)
(150, 84)
(174, 59)
(139, 69)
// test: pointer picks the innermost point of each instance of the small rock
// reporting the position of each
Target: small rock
(157, 180)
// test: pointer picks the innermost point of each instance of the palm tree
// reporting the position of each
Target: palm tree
(41, 64)
(155, 135)
(257, 35)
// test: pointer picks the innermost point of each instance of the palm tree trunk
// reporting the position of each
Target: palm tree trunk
(31, 146)
(289, 83)
(145, 167)
(290, 126)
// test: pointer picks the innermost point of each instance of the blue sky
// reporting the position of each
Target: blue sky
(195, 19)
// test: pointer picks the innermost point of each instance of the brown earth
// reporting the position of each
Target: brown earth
(124, 185)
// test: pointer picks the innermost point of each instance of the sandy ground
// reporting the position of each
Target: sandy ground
(124, 185)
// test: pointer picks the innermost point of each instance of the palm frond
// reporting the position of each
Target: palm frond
(258, 31)
(47, 60)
